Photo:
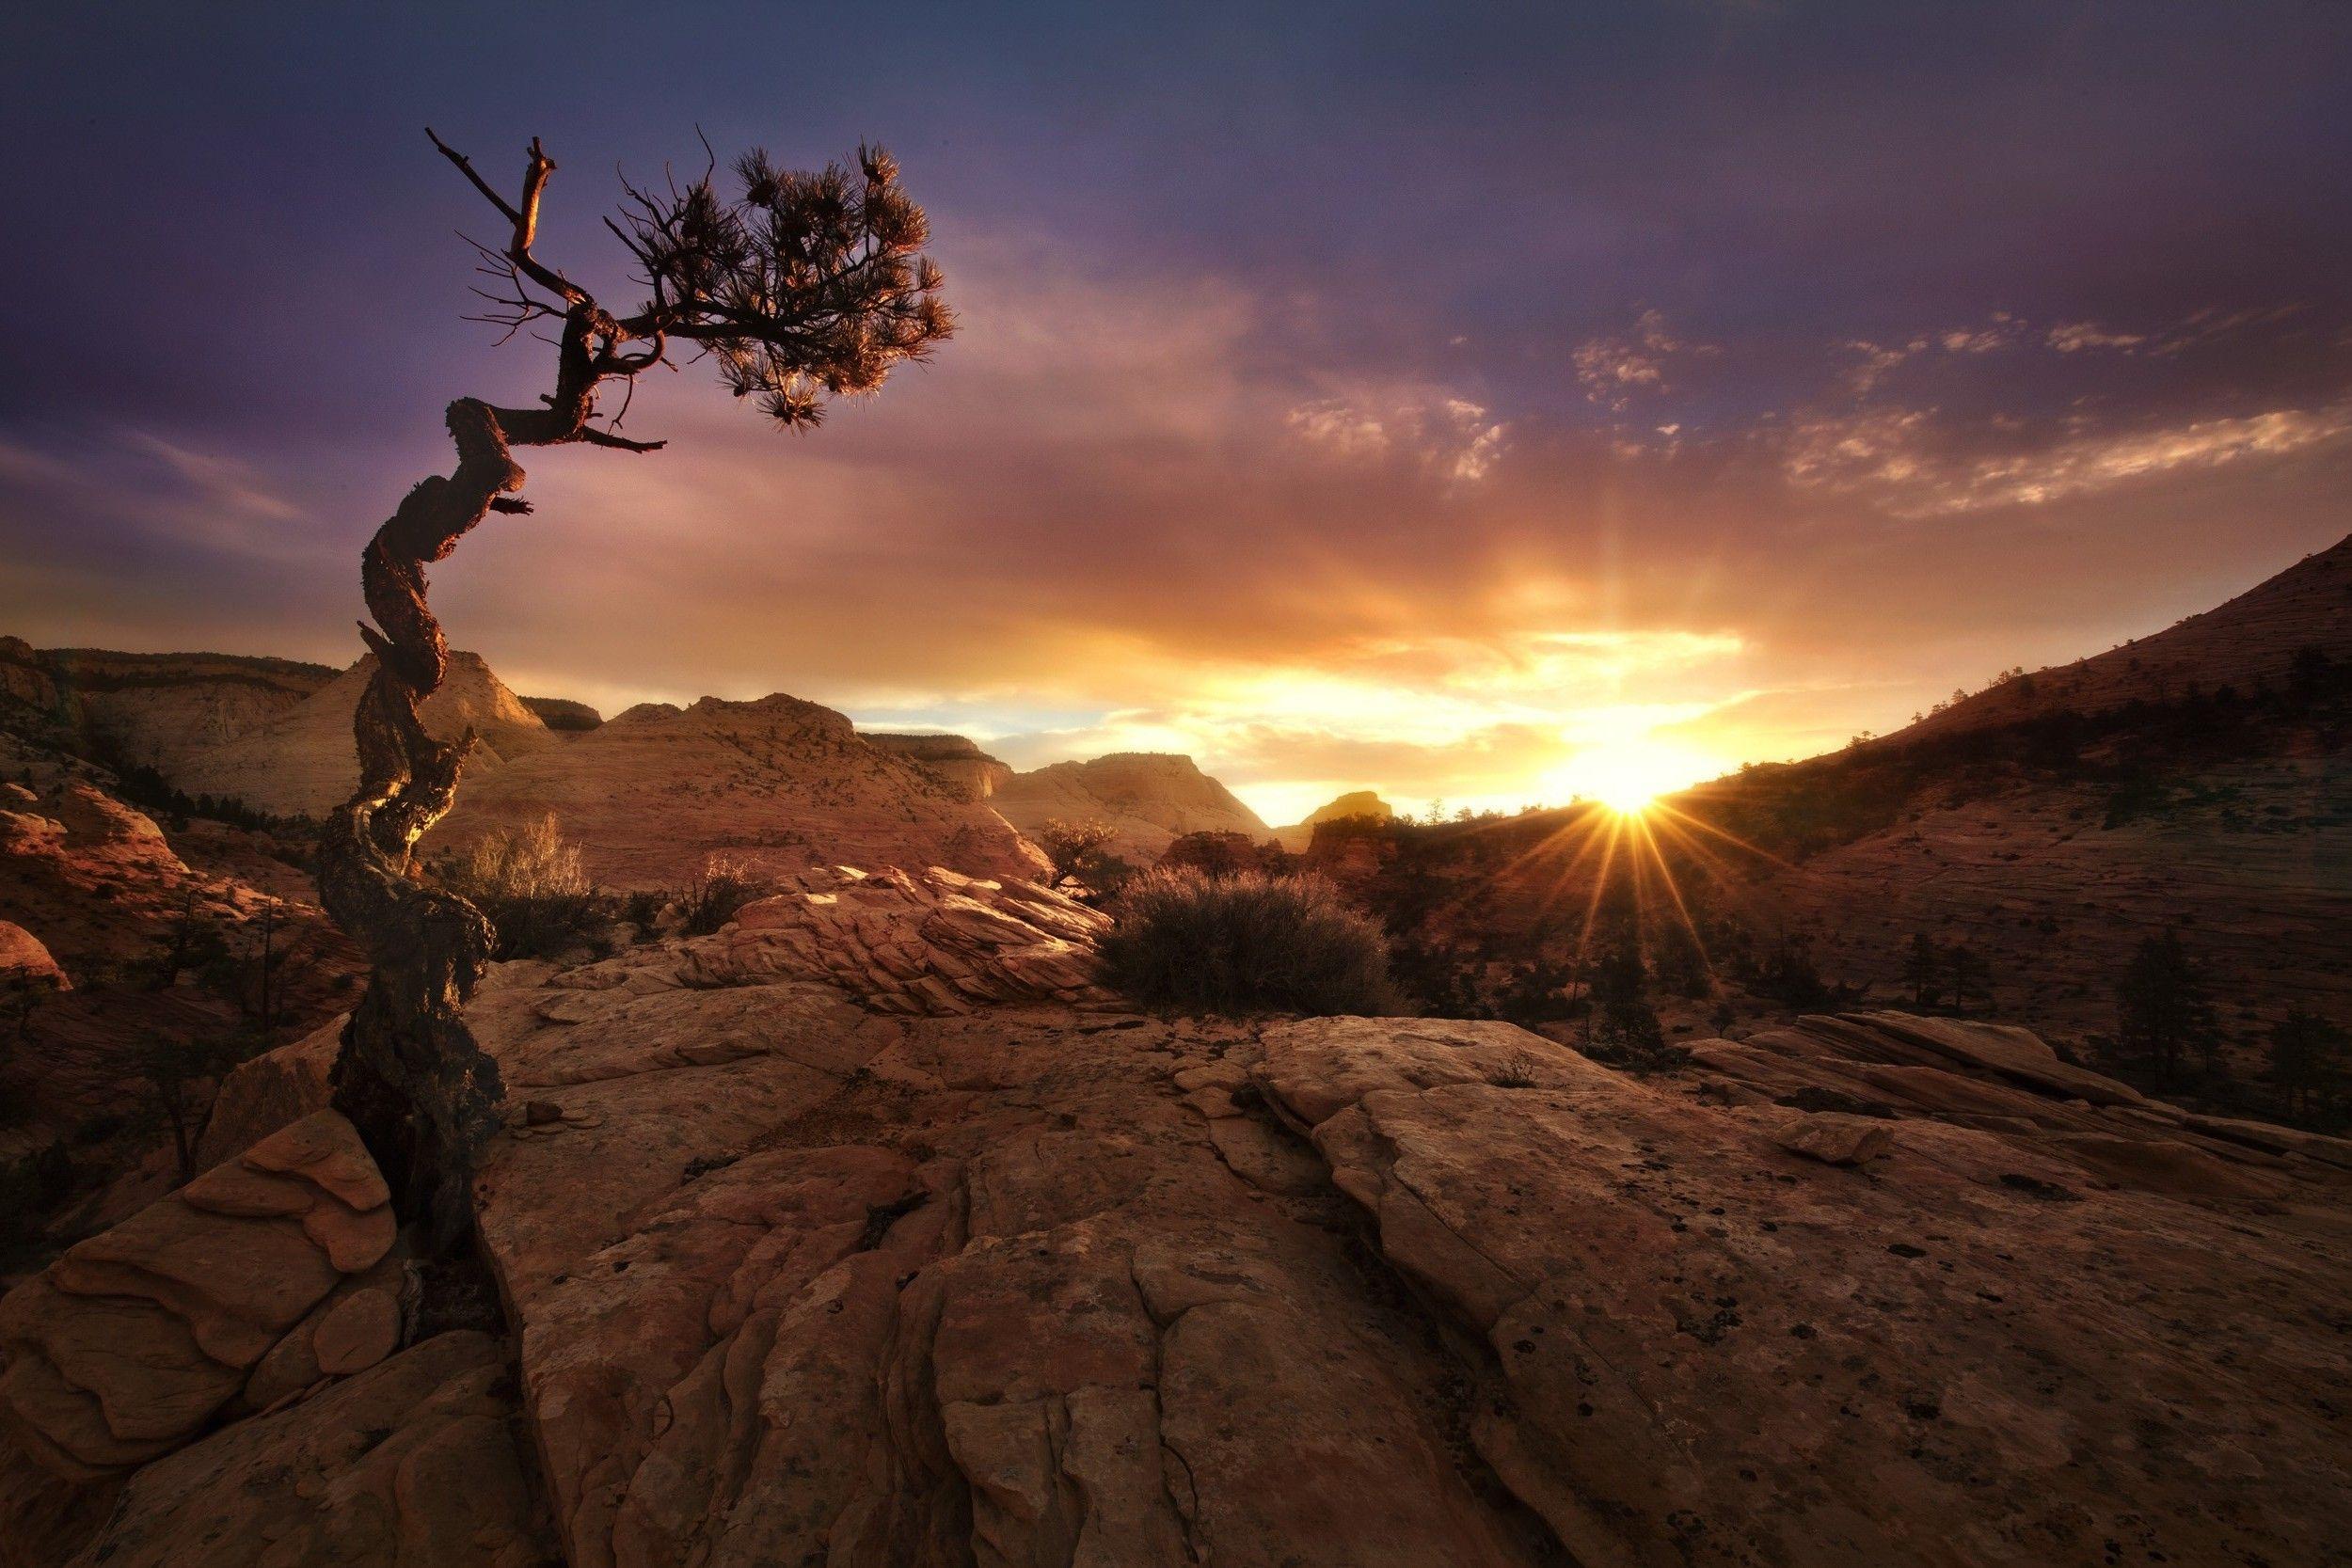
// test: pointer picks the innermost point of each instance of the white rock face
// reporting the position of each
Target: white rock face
(303, 761)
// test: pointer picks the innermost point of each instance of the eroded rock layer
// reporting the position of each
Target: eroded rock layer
(809, 1263)
(771, 787)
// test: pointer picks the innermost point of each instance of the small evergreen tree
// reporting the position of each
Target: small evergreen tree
(1922, 970)
(2163, 1008)
(1968, 974)
(2307, 1064)
(1070, 844)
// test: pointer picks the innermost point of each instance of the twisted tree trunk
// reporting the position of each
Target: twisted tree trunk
(423, 1093)
(808, 287)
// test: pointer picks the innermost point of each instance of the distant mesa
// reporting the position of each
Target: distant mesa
(563, 715)
(956, 761)
(301, 762)
(1149, 798)
(777, 784)
(1356, 805)
(154, 711)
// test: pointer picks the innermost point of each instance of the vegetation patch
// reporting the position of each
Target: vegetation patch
(1192, 942)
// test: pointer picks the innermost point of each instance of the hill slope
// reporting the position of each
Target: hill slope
(2251, 642)
(302, 763)
(1152, 799)
(779, 784)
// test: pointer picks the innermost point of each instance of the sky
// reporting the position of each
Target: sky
(1474, 403)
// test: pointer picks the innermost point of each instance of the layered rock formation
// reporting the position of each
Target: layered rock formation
(412, 1463)
(1149, 798)
(249, 1293)
(1357, 805)
(803, 1274)
(957, 761)
(776, 785)
(153, 709)
(250, 1283)
(302, 763)
(123, 914)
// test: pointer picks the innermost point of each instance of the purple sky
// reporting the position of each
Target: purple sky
(1432, 398)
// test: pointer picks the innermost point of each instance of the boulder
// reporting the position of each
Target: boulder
(1698, 1352)
(133, 1341)
(1836, 1139)
(410, 1464)
(25, 965)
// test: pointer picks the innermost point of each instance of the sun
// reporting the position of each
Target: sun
(1627, 775)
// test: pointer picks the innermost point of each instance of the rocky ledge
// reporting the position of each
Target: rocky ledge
(810, 1262)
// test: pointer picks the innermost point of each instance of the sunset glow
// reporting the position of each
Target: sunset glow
(1785, 444)
(1627, 775)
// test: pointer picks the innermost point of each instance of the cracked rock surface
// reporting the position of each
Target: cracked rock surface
(806, 1265)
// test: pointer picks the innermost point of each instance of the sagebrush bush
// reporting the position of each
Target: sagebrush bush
(1193, 941)
(531, 885)
(725, 884)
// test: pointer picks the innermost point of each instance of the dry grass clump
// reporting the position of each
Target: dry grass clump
(1244, 943)
(531, 885)
(725, 884)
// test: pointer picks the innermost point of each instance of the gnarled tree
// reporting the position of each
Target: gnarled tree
(801, 287)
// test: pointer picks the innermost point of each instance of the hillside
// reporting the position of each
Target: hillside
(301, 762)
(2251, 643)
(155, 710)
(778, 784)
(2047, 841)
(1149, 798)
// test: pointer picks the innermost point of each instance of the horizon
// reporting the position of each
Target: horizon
(1279, 805)
(1803, 368)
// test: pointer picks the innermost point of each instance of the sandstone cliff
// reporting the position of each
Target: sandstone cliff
(778, 784)
(1151, 798)
(959, 762)
(302, 762)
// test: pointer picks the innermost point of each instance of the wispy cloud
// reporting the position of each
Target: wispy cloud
(169, 488)
(1902, 457)
(1452, 436)
(1613, 369)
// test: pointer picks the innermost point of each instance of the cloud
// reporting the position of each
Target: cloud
(1448, 436)
(1612, 369)
(168, 490)
(2075, 337)
(1905, 456)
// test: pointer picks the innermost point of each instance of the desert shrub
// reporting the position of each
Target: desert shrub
(531, 885)
(724, 885)
(1194, 942)
(31, 1187)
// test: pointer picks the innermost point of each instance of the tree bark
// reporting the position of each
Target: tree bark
(420, 1091)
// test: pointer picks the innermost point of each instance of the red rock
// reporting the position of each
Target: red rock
(126, 1346)
(413, 1463)
(1835, 1139)
(1150, 799)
